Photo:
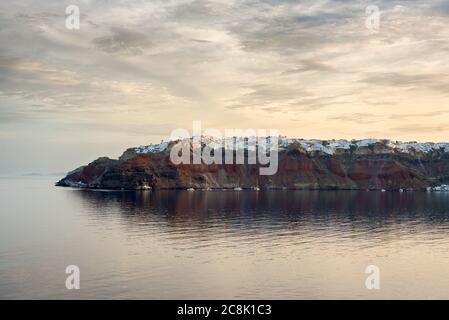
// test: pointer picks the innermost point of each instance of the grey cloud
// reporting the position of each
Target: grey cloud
(440, 7)
(310, 65)
(288, 31)
(278, 98)
(37, 18)
(123, 41)
(318, 102)
(433, 81)
(401, 79)
(200, 10)
(264, 94)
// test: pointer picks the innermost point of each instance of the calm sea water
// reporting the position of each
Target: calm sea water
(220, 244)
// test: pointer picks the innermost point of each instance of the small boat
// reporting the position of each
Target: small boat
(383, 190)
(190, 189)
(238, 189)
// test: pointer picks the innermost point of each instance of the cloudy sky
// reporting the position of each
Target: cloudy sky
(136, 70)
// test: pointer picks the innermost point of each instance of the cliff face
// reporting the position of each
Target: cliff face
(377, 165)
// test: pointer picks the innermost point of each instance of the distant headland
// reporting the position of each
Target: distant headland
(369, 164)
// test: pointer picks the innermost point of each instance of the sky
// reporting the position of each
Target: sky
(136, 70)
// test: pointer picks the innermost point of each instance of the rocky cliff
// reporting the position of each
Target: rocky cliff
(302, 164)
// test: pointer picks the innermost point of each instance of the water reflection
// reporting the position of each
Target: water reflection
(297, 221)
(205, 208)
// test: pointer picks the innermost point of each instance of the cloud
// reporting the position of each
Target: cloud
(34, 72)
(417, 128)
(358, 118)
(419, 115)
(310, 65)
(123, 41)
(434, 81)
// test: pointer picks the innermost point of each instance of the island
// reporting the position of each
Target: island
(369, 164)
